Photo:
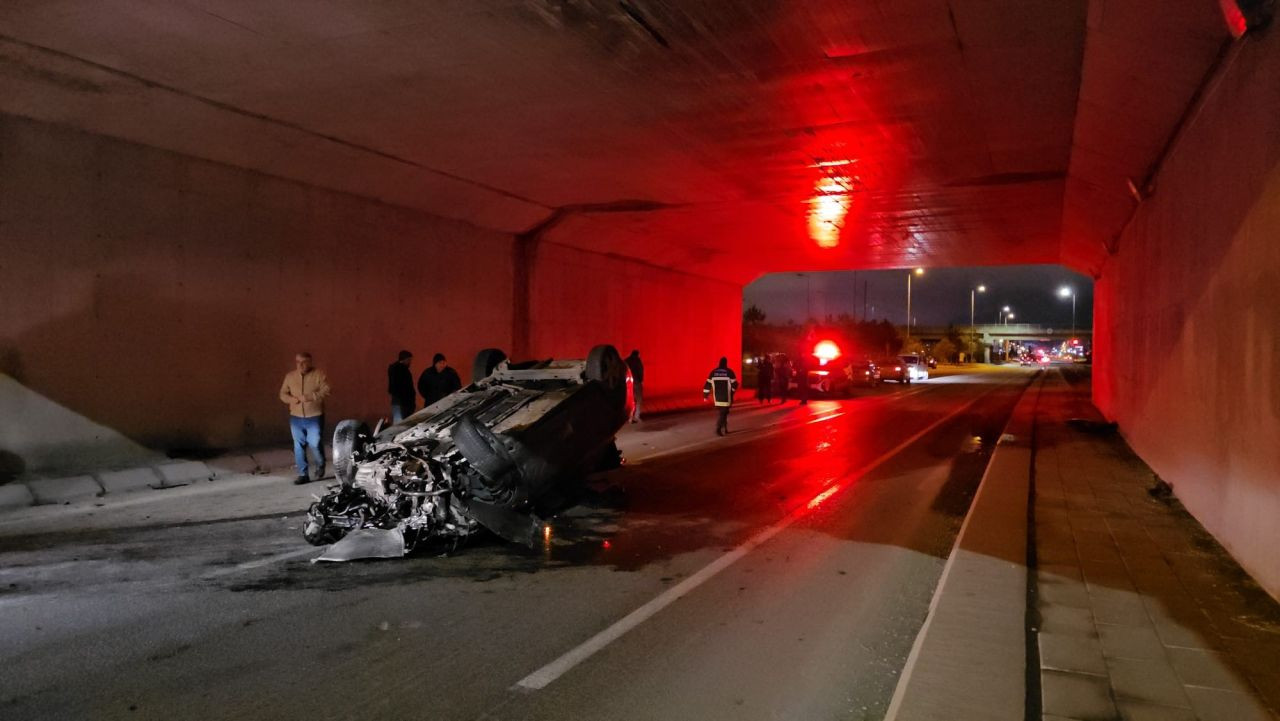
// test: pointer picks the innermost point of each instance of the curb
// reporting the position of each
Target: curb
(158, 476)
(14, 496)
(47, 491)
(968, 662)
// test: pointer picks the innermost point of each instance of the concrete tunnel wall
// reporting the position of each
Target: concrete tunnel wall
(1187, 325)
(163, 296)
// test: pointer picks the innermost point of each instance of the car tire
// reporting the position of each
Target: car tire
(348, 438)
(487, 454)
(484, 364)
(605, 364)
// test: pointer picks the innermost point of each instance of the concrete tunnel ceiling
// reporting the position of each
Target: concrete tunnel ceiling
(723, 139)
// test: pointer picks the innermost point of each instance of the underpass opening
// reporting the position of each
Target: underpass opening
(832, 323)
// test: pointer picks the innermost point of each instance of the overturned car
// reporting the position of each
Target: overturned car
(500, 454)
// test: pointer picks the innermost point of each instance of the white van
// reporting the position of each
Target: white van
(916, 367)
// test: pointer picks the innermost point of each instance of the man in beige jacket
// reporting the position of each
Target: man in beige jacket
(304, 390)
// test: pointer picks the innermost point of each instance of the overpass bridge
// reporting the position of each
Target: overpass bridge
(995, 333)
(995, 338)
(192, 192)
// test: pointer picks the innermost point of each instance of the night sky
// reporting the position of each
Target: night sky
(938, 297)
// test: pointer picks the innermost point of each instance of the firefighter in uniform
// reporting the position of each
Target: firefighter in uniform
(720, 387)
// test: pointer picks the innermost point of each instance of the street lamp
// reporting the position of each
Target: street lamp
(972, 296)
(917, 271)
(1063, 292)
(1003, 312)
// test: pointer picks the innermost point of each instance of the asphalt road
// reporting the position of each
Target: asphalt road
(779, 573)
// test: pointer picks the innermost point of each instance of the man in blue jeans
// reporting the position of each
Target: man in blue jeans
(304, 390)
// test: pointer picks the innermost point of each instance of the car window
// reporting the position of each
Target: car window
(909, 360)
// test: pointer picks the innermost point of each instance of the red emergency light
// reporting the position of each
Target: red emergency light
(826, 351)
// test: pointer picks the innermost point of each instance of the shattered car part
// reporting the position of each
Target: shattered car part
(366, 543)
(500, 454)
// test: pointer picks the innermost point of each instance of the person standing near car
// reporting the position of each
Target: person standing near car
(721, 384)
(637, 382)
(437, 381)
(802, 378)
(764, 381)
(304, 391)
(400, 387)
(783, 373)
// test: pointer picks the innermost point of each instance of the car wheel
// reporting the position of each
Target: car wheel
(486, 360)
(605, 366)
(485, 452)
(348, 438)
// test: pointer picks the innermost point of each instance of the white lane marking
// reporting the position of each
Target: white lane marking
(550, 672)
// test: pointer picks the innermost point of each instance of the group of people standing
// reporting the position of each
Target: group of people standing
(775, 380)
(306, 388)
(436, 382)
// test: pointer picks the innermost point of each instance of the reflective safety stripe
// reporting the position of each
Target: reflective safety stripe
(722, 391)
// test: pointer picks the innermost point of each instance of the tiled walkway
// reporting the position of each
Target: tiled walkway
(1141, 614)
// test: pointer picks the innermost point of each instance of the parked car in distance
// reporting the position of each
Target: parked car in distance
(916, 367)
(893, 369)
(836, 380)
(863, 373)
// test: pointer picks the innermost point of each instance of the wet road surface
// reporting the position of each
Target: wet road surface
(782, 572)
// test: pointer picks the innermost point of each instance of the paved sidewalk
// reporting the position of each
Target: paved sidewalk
(1141, 614)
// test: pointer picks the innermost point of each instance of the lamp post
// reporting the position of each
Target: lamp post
(808, 295)
(1004, 312)
(1063, 292)
(917, 271)
(972, 298)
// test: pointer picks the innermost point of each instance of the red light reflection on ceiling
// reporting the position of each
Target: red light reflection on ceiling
(827, 210)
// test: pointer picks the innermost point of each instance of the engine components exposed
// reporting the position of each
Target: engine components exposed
(500, 454)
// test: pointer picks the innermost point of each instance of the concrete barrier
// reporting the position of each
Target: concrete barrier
(183, 472)
(131, 479)
(64, 490)
(15, 495)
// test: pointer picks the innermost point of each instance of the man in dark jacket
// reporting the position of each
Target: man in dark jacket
(721, 384)
(637, 382)
(438, 381)
(400, 387)
(764, 381)
(802, 378)
(782, 376)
